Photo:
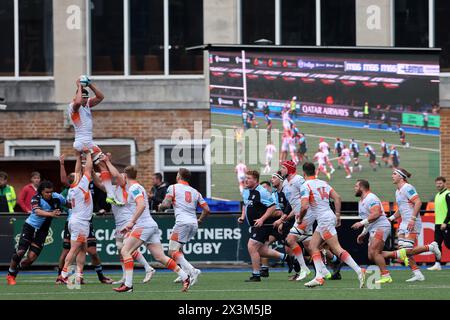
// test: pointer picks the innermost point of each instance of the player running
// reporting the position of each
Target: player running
(81, 117)
(394, 157)
(269, 123)
(375, 224)
(409, 204)
(122, 216)
(370, 152)
(346, 160)
(315, 200)
(402, 135)
(338, 147)
(325, 148)
(142, 229)
(321, 158)
(385, 152)
(302, 148)
(45, 206)
(354, 147)
(240, 171)
(270, 150)
(184, 200)
(299, 232)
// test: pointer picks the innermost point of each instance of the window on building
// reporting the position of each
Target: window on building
(35, 37)
(298, 22)
(146, 37)
(338, 23)
(107, 37)
(170, 156)
(185, 29)
(442, 34)
(258, 20)
(7, 47)
(32, 148)
(123, 151)
(411, 23)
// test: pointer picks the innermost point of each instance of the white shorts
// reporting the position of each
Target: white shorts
(148, 234)
(326, 226)
(79, 230)
(321, 167)
(269, 158)
(285, 146)
(304, 231)
(292, 147)
(79, 145)
(380, 233)
(403, 228)
(182, 233)
(118, 235)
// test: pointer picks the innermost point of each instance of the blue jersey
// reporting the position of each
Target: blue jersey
(37, 202)
(394, 154)
(256, 203)
(339, 145)
(354, 147)
(369, 150)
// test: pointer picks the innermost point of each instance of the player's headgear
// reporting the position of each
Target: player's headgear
(84, 93)
(279, 176)
(290, 166)
(321, 139)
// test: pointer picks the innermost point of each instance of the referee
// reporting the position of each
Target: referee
(442, 217)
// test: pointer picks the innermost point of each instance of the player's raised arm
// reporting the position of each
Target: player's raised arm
(89, 165)
(62, 171)
(114, 172)
(97, 181)
(77, 100)
(98, 96)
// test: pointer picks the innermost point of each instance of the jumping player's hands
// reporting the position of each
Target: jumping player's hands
(360, 239)
(85, 149)
(78, 82)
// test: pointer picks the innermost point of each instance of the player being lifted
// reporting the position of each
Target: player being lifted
(270, 150)
(409, 204)
(142, 229)
(375, 224)
(81, 116)
(315, 195)
(184, 200)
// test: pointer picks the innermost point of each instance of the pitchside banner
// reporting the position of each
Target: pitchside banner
(219, 239)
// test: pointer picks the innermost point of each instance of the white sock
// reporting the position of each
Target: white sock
(140, 259)
(417, 272)
(320, 267)
(129, 272)
(181, 260)
(299, 256)
(347, 258)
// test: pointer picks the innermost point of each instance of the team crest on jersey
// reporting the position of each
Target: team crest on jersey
(136, 192)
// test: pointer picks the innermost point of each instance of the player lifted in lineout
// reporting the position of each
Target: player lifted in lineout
(81, 116)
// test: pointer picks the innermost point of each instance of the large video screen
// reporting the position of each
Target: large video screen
(375, 110)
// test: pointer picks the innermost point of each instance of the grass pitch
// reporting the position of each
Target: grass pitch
(228, 285)
(421, 159)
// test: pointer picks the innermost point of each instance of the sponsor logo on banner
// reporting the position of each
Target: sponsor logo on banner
(325, 110)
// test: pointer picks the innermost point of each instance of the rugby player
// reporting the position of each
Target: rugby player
(315, 200)
(184, 200)
(322, 161)
(240, 171)
(142, 229)
(270, 150)
(45, 206)
(409, 204)
(370, 152)
(346, 160)
(354, 147)
(325, 148)
(385, 153)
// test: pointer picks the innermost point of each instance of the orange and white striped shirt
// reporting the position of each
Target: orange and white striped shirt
(82, 122)
(318, 194)
(81, 200)
(185, 200)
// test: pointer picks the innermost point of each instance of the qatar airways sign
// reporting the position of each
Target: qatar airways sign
(326, 111)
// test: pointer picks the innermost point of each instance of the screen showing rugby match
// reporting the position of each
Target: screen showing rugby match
(355, 115)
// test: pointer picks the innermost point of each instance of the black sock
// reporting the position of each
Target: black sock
(99, 270)
(13, 272)
(59, 271)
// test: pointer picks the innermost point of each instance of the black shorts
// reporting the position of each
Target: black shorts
(263, 234)
(385, 155)
(395, 163)
(91, 240)
(30, 235)
(372, 158)
(356, 155)
(302, 150)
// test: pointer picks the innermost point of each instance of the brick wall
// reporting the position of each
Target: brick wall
(445, 142)
(144, 126)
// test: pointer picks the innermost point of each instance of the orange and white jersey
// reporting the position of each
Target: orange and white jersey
(270, 150)
(318, 194)
(285, 118)
(321, 158)
(404, 197)
(122, 214)
(81, 200)
(366, 205)
(241, 169)
(346, 155)
(82, 122)
(291, 190)
(136, 191)
(185, 200)
(324, 147)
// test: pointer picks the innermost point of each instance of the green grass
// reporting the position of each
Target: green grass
(422, 159)
(231, 285)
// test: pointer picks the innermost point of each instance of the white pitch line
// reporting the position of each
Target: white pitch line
(332, 138)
